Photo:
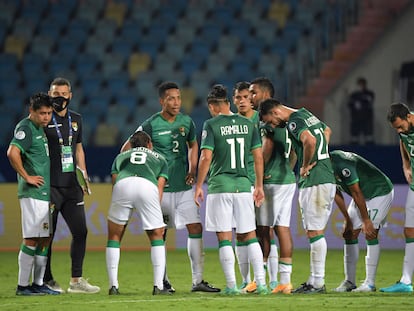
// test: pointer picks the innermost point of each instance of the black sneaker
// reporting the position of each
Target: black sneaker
(113, 291)
(27, 291)
(301, 289)
(44, 289)
(314, 290)
(164, 291)
(168, 286)
(203, 286)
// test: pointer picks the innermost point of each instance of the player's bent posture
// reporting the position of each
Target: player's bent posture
(227, 140)
(402, 120)
(372, 194)
(310, 138)
(138, 177)
(279, 188)
(173, 135)
(28, 154)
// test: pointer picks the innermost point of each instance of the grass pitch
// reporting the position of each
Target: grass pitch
(135, 277)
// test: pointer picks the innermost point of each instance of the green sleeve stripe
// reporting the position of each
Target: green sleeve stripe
(251, 241)
(27, 250)
(157, 243)
(372, 242)
(195, 236)
(316, 238)
(224, 243)
(350, 242)
(41, 251)
(113, 244)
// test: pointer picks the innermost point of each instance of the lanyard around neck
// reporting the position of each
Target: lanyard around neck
(59, 132)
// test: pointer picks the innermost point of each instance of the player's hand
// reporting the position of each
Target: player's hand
(190, 179)
(305, 170)
(369, 230)
(35, 181)
(348, 230)
(198, 196)
(258, 196)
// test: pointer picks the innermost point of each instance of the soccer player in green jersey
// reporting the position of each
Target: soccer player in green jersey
(28, 154)
(310, 138)
(241, 99)
(173, 136)
(260, 89)
(143, 169)
(227, 139)
(372, 194)
(402, 120)
(279, 187)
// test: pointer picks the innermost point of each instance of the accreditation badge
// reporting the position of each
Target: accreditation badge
(67, 159)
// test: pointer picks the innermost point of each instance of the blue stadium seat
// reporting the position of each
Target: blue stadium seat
(8, 63)
(122, 47)
(57, 64)
(131, 31)
(32, 66)
(85, 64)
(118, 84)
(128, 100)
(42, 45)
(91, 83)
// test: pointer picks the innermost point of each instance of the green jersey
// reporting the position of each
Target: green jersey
(322, 172)
(250, 168)
(141, 162)
(278, 170)
(408, 141)
(32, 142)
(170, 139)
(350, 168)
(231, 138)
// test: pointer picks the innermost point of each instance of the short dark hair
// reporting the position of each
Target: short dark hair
(240, 86)
(39, 100)
(139, 139)
(267, 105)
(60, 81)
(165, 86)
(217, 94)
(362, 80)
(398, 110)
(265, 84)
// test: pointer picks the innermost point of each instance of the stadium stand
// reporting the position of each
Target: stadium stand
(115, 52)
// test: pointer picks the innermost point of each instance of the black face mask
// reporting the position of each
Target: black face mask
(59, 103)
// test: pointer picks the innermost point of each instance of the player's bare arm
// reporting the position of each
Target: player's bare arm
(258, 194)
(367, 226)
(405, 157)
(161, 184)
(203, 167)
(267, 148)
(327, 132)
(348, 227)
(192, 162)
(309, 147)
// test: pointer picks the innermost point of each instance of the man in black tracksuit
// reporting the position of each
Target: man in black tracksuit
(64, 133)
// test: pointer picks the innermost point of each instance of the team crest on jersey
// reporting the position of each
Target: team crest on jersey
(204, 134)
(45, 226)
(292, 126)
(75, 125)
(346, 172)
(20, 135)
(182, 130)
